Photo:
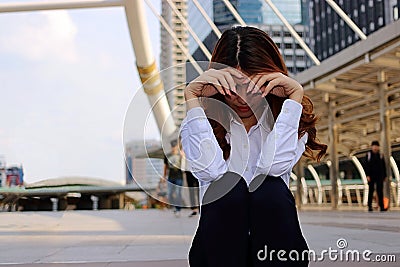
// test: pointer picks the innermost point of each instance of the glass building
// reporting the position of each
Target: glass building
(329, 34)
(172, 56)
(198, 23)
(257, 14)
(291, 9)
(251, 11)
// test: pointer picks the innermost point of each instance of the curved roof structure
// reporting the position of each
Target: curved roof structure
(72, 180)
(357, 91)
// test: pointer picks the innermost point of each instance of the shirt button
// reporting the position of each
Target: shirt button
(285, 110)
(244, 145)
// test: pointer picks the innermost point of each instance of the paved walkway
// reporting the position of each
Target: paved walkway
(154, 238)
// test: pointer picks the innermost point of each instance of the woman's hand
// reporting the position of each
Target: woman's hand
(211, 82)
(278, 84)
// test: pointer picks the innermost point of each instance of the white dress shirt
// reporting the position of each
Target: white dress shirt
(262, 150)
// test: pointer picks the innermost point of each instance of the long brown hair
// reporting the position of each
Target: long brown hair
(253, 51)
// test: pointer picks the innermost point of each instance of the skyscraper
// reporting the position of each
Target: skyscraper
(197, 21)
(296, 59)
(172, 58)
(199, 24)
(291, 9)
(257, 14)
(251, 11)
(329, 33)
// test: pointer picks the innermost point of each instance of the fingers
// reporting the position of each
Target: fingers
(253, 82)
(283, 86)
(274, 84)
(230, 74)
(258, 81)
(231, 82)
(224, 83)
(234, 72)
(217, 85)
(223, 80)
(209, 83)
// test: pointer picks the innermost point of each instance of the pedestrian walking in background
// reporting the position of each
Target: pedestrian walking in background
(193, 186)
(173, 173)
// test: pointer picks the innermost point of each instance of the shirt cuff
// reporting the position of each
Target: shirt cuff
(196, 121)
(290, 113)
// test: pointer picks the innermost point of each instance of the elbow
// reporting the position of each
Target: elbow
(208, 175)
(280, 169)
(283, 166)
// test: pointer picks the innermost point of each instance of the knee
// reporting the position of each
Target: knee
(230, 189)
(272, 192)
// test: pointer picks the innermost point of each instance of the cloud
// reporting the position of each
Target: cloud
(39, 36)
(66, 86)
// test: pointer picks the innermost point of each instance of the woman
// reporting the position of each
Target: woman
(259, 124)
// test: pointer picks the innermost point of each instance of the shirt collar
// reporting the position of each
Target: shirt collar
(264, 115)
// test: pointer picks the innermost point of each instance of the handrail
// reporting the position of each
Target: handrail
(396, 173)
(395, 169)
(360, 169)
(317, 180)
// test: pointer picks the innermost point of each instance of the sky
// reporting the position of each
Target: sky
(66, 81)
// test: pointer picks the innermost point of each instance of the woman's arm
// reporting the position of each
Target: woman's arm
(282, 148)
(204, 155)
(202, 151)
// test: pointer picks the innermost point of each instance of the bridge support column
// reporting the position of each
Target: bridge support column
(333, 153)
(384, 118)
(121, 199)
(95, 201)
(54, 201)
(146, 65)
(299, 190)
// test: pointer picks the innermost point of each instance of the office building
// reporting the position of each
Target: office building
(296, 59)
(251, 11)
(329, 34)
(139, 167)
(172, 58)
(291, 9)
(295, 11)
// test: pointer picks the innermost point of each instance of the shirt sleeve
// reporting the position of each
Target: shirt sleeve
(282, 148)
(202, 151)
